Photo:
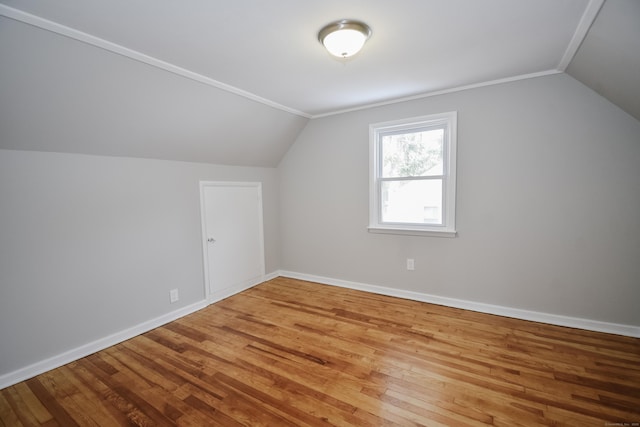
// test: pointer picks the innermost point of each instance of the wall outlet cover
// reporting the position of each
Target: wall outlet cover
(173, 295)
(410, 264)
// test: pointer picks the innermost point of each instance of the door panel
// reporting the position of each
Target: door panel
(233, 235)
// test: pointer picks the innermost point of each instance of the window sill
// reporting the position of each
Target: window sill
(413, 232)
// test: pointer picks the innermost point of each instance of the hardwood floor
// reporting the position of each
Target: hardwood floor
(294, 353)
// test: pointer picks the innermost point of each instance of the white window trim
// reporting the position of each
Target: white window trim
(448, 229)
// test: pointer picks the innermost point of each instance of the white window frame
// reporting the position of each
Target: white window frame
(448, 121)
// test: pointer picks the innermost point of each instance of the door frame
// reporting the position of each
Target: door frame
(210, 296)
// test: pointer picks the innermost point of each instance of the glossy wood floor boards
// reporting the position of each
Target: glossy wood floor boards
(294, 353)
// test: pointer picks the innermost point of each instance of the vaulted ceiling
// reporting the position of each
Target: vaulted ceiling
(235, 82)
(608, 60)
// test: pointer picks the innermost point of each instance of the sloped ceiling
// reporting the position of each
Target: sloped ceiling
(235, 82)
(58, 94)
(608, 60)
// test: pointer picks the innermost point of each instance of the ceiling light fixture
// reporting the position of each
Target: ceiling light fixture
(344, 38)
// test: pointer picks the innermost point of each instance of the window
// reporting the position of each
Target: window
(413, 176)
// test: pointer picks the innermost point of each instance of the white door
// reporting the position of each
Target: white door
(232, 237)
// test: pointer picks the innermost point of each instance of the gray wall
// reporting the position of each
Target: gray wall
(548, 206)
(548, 203)
(91, 246)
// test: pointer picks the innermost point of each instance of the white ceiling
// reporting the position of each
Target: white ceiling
(234, 82)
(270, 48)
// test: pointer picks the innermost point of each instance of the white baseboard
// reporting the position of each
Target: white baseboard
(232, 290)
(38, 368)
(535, 316)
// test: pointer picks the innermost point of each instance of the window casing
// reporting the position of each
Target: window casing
(412, 180)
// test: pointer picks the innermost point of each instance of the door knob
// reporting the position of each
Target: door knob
(211, 240)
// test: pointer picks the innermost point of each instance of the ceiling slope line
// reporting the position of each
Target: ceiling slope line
(588, 17)
(440, 92)
(63, 30)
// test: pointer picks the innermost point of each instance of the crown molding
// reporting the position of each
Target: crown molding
(582, 29)
(63, 30)
(440, 92)
(587, 20)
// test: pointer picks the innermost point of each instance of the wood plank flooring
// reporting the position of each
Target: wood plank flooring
(294, 353)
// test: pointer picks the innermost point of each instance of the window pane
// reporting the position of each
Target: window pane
(413, 202)
(412, 153)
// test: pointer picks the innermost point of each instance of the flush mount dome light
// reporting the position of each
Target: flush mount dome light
(344, 38)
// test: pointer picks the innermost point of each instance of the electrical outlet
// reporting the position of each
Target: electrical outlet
(410, 264)
(173, 295)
